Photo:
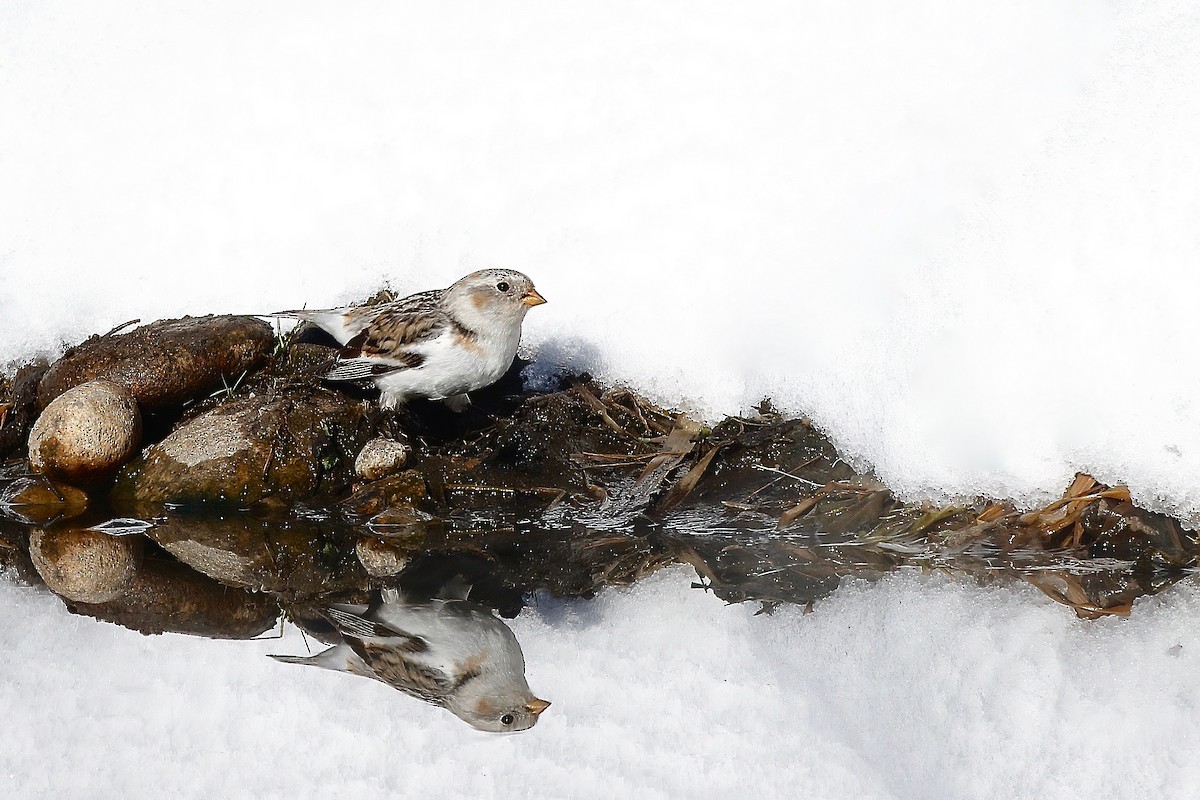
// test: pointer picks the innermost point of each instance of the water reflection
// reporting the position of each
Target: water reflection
(764, 511)
(446, 651)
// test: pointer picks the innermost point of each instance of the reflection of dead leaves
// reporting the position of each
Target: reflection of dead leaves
(1065, 588)
(622, 560)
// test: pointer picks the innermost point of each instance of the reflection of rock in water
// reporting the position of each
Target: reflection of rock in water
(167, 596)
(286, 555)
(86, 566)
(453, 653)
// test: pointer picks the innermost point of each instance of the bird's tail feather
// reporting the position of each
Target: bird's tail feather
(291, 659)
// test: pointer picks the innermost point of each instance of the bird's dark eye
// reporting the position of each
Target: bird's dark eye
(507, 719)
(502, 286)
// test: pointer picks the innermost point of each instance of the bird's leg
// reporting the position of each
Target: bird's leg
(458, 403)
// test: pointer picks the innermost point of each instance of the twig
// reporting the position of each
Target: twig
(121, 327)
(788, 475)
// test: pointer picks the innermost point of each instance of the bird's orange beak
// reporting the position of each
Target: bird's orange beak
(537, 706)
(532, 298)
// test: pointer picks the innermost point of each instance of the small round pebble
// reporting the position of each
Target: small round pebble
(86, 433)
(380, 458)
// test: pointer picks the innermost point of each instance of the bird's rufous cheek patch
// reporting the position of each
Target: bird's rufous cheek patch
(479, 299)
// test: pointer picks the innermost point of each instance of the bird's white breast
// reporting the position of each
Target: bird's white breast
(455, 364)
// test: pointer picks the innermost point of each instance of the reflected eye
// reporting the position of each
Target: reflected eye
(507, 719)
(502, 286)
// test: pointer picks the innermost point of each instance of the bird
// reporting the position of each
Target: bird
(450, 652)
(438, 344)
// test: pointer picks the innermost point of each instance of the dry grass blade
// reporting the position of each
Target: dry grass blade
(614, 459)
(675, 447)
(121, 327)
(796, 512)
(594, 404)
(1065, 511)
(993, 512)
(687, 483)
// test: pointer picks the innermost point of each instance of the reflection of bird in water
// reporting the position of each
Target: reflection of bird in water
(449, 652)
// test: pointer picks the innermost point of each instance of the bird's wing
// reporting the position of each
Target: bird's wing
(361, 622)
(392, 655)
(384, 344)
(362, 367)
(401, 670)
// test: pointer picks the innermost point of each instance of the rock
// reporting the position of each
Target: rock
(86, 566)
(86, 434)
(167, 596)
(19, 407)
(41, 501)
(380, 458)
(289, 556)
(380, 559)
(306, 358)
(166, 362)
(289, 446)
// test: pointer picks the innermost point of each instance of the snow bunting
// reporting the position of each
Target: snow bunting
(438, 344)
(449, 652)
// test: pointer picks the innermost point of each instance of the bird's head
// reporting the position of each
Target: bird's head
(492, 297)
(498, 714)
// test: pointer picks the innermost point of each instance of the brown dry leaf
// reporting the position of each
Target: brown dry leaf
(1118, 492)
(993, 512)
(1066, 510)
(600, 409)
(689, 555)
(1076, 537)
(674, 448)
(4, 407)
(796, 512)
(1083, 484)
(684, 485)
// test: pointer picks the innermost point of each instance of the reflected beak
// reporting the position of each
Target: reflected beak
(536, 706)
(532, 298)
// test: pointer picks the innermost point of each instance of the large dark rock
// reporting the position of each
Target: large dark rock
(167, 362)
(290, 446)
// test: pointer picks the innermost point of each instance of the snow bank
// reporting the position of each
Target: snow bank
(913, 688)
(959, 234)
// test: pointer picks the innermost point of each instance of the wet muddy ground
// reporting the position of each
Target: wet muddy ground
(246, 498)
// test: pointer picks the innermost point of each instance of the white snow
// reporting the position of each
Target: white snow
(961, 235)
(914, 688)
